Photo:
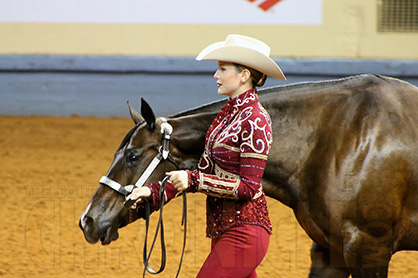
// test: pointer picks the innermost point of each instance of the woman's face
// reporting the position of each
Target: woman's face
(230, 82)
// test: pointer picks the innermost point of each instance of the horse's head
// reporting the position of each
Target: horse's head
(105, 213)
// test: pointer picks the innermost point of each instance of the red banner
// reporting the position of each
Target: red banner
(266, 5)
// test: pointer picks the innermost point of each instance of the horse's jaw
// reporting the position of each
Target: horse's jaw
(109, 235)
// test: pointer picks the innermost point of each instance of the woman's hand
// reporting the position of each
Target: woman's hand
(179, 179)
(143, 191)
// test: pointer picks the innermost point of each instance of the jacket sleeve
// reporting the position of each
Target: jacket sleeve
(255, 141)
(169, 193)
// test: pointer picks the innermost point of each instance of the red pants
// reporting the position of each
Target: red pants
(237, 253)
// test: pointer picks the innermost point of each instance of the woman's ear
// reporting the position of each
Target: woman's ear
(245, 75)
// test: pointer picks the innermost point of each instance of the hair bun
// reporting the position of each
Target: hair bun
(262, 81)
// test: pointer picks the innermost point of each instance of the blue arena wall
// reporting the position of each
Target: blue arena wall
(101, 85)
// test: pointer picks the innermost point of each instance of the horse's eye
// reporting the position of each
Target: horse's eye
(133, 157)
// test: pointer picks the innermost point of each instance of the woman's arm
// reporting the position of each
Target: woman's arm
(177, 183)
(254, 145)
(246, 186)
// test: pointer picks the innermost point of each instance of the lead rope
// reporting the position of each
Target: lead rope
(160, 228)
(184, 224)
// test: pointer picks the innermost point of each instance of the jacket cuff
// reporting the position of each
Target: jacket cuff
(155, 193)
(194, 181)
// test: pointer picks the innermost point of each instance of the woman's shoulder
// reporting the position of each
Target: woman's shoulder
(258, 111)
(257, 117)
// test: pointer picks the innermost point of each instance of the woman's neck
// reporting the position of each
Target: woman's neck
(244, 88)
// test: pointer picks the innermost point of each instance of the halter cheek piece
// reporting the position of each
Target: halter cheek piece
(163, 154)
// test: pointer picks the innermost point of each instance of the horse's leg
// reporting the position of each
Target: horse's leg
(327, 264)
(370, 273)
(369, 269)
(367, 256)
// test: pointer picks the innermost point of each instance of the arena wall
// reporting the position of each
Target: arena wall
(93, 68)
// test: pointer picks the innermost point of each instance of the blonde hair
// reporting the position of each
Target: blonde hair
(257, 78)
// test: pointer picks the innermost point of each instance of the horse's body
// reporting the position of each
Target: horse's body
(344, 158)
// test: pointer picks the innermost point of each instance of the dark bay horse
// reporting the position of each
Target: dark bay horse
(344, 158)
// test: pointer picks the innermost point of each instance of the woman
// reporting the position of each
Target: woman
(232, 165)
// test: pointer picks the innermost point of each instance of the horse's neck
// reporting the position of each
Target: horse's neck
(295, 119)
(188, 137)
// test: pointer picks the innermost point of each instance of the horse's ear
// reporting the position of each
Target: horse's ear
(135, 115)
(148, 114)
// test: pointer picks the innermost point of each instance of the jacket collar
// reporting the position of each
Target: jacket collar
(243, 99)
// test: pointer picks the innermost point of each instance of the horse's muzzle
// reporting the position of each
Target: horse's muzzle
(86, 225)
(94, 232)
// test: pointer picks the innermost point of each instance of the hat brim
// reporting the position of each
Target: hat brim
(241, 55)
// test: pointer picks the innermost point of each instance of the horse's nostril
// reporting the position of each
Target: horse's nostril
(86, 222)
(79, 224)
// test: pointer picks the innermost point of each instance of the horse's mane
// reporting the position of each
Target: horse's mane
(307, 85)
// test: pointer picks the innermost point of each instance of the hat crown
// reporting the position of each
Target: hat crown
(248, 42)
(243, 50)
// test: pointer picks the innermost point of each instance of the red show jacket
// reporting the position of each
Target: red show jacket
(232, 166)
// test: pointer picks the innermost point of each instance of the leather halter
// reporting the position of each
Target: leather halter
(163, 154)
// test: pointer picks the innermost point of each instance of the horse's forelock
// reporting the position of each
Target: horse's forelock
(129, 135)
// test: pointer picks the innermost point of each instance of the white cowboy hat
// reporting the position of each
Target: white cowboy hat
(243, 50)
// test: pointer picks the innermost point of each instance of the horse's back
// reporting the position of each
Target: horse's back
(390, 105)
